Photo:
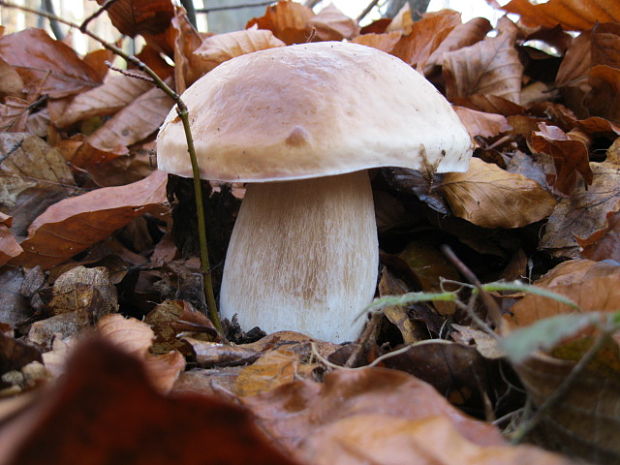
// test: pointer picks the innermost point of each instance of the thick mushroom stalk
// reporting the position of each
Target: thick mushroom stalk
(303, 256)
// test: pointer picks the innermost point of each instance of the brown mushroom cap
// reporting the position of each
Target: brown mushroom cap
(313, 110)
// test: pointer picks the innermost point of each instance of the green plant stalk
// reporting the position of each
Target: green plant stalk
(183, 115)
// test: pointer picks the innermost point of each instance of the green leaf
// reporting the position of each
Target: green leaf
(409, 298)
(517, 286)
(546, 333)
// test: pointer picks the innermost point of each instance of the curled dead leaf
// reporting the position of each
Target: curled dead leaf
(332, 24)
(491, 197)
(74, 224)
(383, 41)
(483, 124)
(289, 22)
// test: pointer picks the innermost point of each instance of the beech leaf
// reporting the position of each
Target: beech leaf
(72, 225)
(9, 248)
(332, 24)
(479, 123)
(491, 197)
(289, 22)
(132, 17)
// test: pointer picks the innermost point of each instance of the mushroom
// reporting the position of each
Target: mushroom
(301, 125)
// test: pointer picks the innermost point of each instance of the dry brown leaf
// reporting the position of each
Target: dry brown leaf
(387, 440)
(116, 92)
(84, 289)
(569, 156)
(383, 41)
(222, 47)
(99, 61)
(9, 248)
(132, 17)
(479, 123)
(185, 40)
(33, 175)
(490, 66)
(604, 97)
(130, 125)
(585, 211)
(10, 81)
(402, 22)
(425, 37)
(135, 338)
(47, 66)
(295, 410)
(73, 225)
(289, 22)
(332, 24)
(605, 243)
(570, 14)
(463, 35)
(491, 197)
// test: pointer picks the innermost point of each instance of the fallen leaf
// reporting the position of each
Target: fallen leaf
(84, 289)
(116, 92)
(99, 61)
(483, 124)
(222, 47)
(63, 326)
(106, 399)
(570, 14)
(132, 124)
(9, 247)
(135, 337)
(47, 66)
(383, 41)
(490, 66)
(463, 35)
(289, 22)
(132, 17)
(74, 224)
(569, 156)
(603, 244)
(332, 24)
(425, 37)
(385, 440)
(293, 411)
(10, 81)
(491, 197)
(603, 100)
(585, 211)
(14, 307)
(33, 176)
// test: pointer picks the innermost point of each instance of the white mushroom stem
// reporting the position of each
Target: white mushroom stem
(303, 256)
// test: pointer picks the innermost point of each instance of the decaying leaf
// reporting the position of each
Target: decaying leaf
(9, 247)
(289, 22)
(585, 211)
(74, 224)
(33, 176)
(490, 66)
(384, 41)
(332, 24)
(133, 17)
(570, 156)
(425, 37)
(570, 14)
(222, 47)
(116, 92)
(47, 66)
(483, 124)
(10, 81)
(605, 243)
(106, 398)
(491, 197)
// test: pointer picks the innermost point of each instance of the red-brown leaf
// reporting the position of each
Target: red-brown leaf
(132, 17)
(74, 224)
(9, 248)
(289, 22)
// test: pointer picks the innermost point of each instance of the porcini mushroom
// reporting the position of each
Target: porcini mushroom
(302, 125)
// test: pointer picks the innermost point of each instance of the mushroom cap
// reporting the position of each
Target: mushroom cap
(312, 110)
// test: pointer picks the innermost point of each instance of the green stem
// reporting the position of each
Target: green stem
(183, 114)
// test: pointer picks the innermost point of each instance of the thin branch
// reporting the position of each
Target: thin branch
(107, 4)
(233, 7)
(493, 309)
(49, 7)
(562, 389)
(183, 114)
(365, 11)
(128, 73)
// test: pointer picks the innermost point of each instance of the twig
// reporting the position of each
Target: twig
(365, 11)
(562, 389)
(107, 4)
(49, 7)
(124, 72)
(493, 309)
(183, 114)
(233, 7)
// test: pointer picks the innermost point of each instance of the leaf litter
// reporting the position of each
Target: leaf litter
(88, 244)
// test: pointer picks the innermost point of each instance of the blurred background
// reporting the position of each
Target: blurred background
(217, 16)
